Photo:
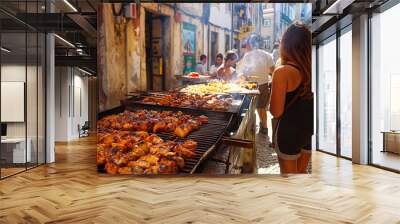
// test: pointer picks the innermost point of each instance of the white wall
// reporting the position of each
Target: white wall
(220, 22)
(220, 14)
(15, 73)
(62, 84)
(33, 127)
(80, 94)
(71, 94)
(9, 73)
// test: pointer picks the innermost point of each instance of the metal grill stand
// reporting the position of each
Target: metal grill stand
(241, 159)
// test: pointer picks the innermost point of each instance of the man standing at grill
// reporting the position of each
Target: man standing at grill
(257, 65)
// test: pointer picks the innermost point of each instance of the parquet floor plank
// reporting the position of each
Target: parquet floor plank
(71, 191)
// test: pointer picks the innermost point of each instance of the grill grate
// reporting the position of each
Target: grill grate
(208, 136)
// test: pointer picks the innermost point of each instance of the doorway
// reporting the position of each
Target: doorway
(155, 31)
(214, 46)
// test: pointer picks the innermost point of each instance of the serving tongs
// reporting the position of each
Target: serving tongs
(238, 142)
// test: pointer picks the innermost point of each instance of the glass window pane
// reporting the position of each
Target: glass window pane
(346, 94)
(314, 89)
(327, 96)
(13, 86)
(385, 82)
(41, 99)
(31, 97)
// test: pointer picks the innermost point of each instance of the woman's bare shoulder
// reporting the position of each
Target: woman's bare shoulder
(284, 70)
(280, 71)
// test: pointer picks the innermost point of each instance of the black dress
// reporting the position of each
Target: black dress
(295, 127)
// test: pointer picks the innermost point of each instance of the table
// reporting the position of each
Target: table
(13, 150)
(391, 141)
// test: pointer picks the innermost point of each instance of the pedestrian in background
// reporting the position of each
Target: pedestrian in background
(201, 66)
(257, 65)
(218, 62)
(275, 52)
(226, 71)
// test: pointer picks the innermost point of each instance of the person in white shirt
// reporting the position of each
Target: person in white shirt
(201, 67)
(218, 62)
(275, 52)
(257, 65)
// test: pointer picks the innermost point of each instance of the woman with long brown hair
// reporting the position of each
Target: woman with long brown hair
(292, 100)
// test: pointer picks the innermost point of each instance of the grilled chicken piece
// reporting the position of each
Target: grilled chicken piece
(139, 150)
(125, 170)
(111, 168)
(184, 152)
(140, 126)
(119, 160)
(159, 126)
(139, 163)
(202, 119)
(151, 159)
(107, 140)
(153, 169)
(171, 126)
(127, 126)
(101, 157)
(142, 134)
(119, 146)
(115, 125)
(138, 170)
(154, 139)
(179, 161)
(163, 102)
(162, 150)
(190, 144)
(168, 166)
(182, 131)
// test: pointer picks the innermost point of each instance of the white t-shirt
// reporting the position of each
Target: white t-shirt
(275, 55)
(256, 66)
(213, 70)
(201, 69)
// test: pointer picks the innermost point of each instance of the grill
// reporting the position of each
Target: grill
(208, 137)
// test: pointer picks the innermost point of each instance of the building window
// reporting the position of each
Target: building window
(268, 43)
(327, 96)
(214, 46)
(227, 42)
(267, 22)
(227, 7)
(290, 12)
(346, 94)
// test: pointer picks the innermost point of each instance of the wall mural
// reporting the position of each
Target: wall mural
(189, 47)
(189, 38)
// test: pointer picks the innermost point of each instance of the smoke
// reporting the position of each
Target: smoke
(252, 63)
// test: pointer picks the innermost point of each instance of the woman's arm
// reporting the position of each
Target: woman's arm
(220, 71)
(278, 92)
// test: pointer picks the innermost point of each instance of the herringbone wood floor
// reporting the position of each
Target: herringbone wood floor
(71, 191)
